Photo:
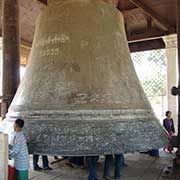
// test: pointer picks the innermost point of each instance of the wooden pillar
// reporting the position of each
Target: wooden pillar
(178, 46)
(176, 91)
(11, 64)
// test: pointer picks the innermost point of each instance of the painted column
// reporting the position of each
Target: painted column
(172, 76)
(10, 64)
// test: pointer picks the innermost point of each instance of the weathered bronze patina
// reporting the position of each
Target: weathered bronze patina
(80, 94)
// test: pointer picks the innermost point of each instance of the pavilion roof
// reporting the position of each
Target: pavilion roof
(144, 20)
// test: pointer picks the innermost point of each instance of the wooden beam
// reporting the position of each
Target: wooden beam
(147, 34)
(147, 45)
(164, 24)
(25, 44)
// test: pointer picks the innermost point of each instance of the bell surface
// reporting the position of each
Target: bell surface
(80, 94)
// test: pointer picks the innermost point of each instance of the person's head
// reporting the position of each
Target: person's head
(18, 125)
(168, 113)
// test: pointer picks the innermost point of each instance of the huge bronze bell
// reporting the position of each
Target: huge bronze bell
(80, 94)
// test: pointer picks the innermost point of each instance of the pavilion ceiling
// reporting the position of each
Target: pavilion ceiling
(144, 19)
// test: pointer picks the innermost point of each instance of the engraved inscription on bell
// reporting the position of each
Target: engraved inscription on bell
(80, 94)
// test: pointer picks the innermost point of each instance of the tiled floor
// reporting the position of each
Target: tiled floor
(140, 167)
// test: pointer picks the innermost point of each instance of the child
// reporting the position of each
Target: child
(20, 151)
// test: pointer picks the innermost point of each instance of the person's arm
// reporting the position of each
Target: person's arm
(16, 148)
(164, 123)
(173, 129)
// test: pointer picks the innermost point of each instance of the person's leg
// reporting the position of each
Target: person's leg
(123, 160)
(119, 158)
(107, 164)
(79, 160)
(123, 164)
(35, 162)
(92, 163)
(90, 167)
(45, 163)
(22, 175)
(95, 160)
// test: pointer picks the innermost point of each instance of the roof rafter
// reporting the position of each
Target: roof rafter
(164, 24)
(148, 34)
